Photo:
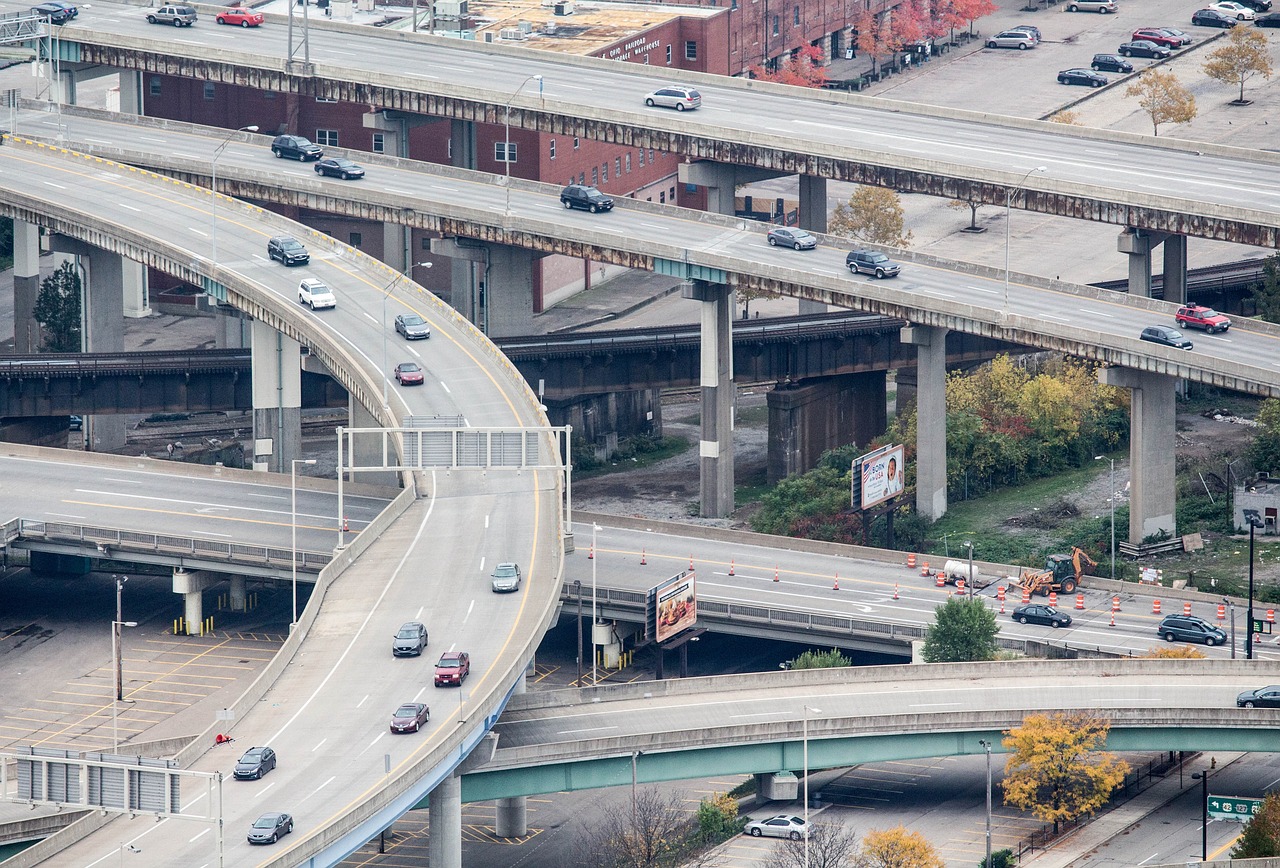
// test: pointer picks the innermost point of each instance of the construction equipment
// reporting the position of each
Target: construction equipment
(1061, 573)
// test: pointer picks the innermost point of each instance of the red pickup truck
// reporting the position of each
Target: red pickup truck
(453, 668)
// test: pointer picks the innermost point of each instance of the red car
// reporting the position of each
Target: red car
(453, 668)
(1159, 37)
(242, 15)
(409, 374)
(1193, 316)
(410, 717)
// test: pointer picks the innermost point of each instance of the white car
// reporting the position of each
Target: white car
(315, 294)
(1237, 11)
(780, 826)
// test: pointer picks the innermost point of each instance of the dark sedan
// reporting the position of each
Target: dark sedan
(409, 374)
(1175, 33)
(1271, 19)
(410, 717)
(1144, 48)
(1079, 75)
(338, 167)
(1263, 697)
(255, 763)
(1166, 336)
(1111, 63)
(1212, 18)
(1038, 613)
(796, 238)
(412, 326)
(56, 13)
(1256, 5)
(1159, 36)
(270, 828)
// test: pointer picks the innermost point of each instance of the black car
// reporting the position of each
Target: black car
(270, 828)
(1079, 75)
(412, 326)
(1188, 628)
(55, 13)
(296, 148)
(287, 249)
(338, 167)
(1271, 19)
(1038, 613)
(1212, 18)
(1263, 697)
(1144, 48)
(586, 198)
(255, 763)
(1256, 5)
(1166, 335)
(1110, 63)
(75, 423)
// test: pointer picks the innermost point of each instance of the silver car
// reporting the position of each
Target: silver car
(506, 578)
(796, 239)
(1018, 39)
(677, 96)
(781, 826)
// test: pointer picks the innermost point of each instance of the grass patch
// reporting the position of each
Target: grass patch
(751, 488)
(753, 416)
(633, 454)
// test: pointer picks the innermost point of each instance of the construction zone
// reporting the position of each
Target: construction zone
(1062, 574)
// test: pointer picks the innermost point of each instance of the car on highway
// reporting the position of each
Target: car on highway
(270, 828)
(871, 262)
(1169, 337)
(298, 148)
(1110, 63)
(412, 327)
(453, 668)
(505, 578)
(1144, 48)
(1212, 18)
(315, 294)
(1238, 11)
(178, 16)
(1271, 19)
(409, 640)
(1160, 36)
(797, 239)
(75, 423)
(287, 250)
(1038, 613)
(255, 763)
(55, 13)
(1263, 697)
(410, 374)
(410, 717)
(1079, 75)
(338, 167)
(585, 197)
(240, 16)
(680, 97)
(1195, 316)
(1188, 628)
(1018, 39)
(781, 826)
(1105, 7)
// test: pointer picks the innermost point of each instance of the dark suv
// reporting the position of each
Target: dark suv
(586, 198)
(1188, 628)
(871, 262)
(287, 249)
(296, 148)
(1110, 63)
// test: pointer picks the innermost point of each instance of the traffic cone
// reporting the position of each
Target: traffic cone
(1113, 619)
(924, 570)
(1115, 603)
(1155, 607)
(690, 563)
(591, 553)
(1079, 601)
(895, 590)
(836, 586)
(731, 566)
(642, 560)
(775, 573)
(940, 580)
(911, 561)
(1002, 605)
(346, 528)
(1186, 607)
(1053, 599)
(1222, 612)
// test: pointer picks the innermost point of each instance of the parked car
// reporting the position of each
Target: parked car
(1087, 77)
(287, 250)
(412, 326)
(296, 148)
(1212, 18)
(242, 16)
(1194, 316)
(1028, 28)
(781, 826)
(1271, 19)
(178, 16)
(1144, 48)
(1018, 39)
(871, 262)
(1186, 38)
(1111, 63)
(794, 238)
(506, 578)
(1236, 10)
(1169, 337)
(409, 640)
(585, 197)
(315, 294)
(1038, 613)
(1105, 7)
(1263, 697)
(453, 668)
(1159, 36)
(338, 167)
(1256, 5)
(1188, 628)
(677, 96)
(410, 717)
(255, 763)
(270, 828)
(54, 13)
(410, 374)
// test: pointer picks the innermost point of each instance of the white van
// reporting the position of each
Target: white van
(315, 294)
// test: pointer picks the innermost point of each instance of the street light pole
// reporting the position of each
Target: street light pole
(117, 662)
(1008, 211)
(577, 590)
(594, 527)
(1111, 481)
(506, 136)
(1232, 606)
(1255, 521)
(986, 745)
(293, 530)
(386, 293)
(1204, 813)
(213, 186)
(969, 546)
(805, 744)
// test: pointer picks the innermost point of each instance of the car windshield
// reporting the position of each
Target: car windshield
(406, 711)
(291, 244)
(504, 571)
(409, 368)
(1207, 312)
(413, 319)
(253, 756)
(267, 822)
(407, 633)
(450, 663)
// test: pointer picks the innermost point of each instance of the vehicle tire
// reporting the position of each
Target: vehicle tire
(415, 727)
(177, 23)
(1124, 54)
(853, 269)
(289, 828)
(1055, 625)
(1022, 46)
(568, 206)
(679, 106)
(1168, 637)
(301, 300)
(796, 245)
(1095, 67)
(1022, 619)
(1239, 17)
(1209, 641)
(313, 304)
(649, 103)
(275, 836)
(1073, 9)
(319, 171)
(244, 24)
(279, 154)
(151, 19)
(879, 274)
(1097, 84)
(1103, 11)
(756, 833)
(220, 21)
(1068, 586)
(795, 836)
(1061, 80)
(773, 242)
(1248, 703)
(595, 209)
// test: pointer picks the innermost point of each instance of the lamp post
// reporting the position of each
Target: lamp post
(805, 744)
(117, 664)
(1255, 521)
(594, 527)
(386, 293)
(293, 530)
(1232, 606)
(213, 172)
(969, 577)
(1111, 498)
(635, 754)
(506, 137)
(986, 746)
(577, 591)
(1204, 813)
(1008, 211)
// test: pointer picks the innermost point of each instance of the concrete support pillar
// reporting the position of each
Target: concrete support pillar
(813, 216)
(513, 820)
(136, 295)
(26, 286)
(508, 294)
(277, 399)
(232, 329)
(131, 101)
(62, 88)
(716, 446)
(810, 418)
(191, 584)
(1137, 244)
(239, 599)
(367, 450)
(1152, 496)
(444, 814)
(931, 418)
(397, 239)
(1175, 269)
(722, 181)
(462, 144)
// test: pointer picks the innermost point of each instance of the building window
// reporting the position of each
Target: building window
(576, 143)
(668, 55)
(796, 13)
(553, 149)
(379, 143)
(691, 50)
(651, 159)
(426, 244)
(628, 162)
(582, 177)
(775, 25)
(617, 167)
(268, 94)
(209, 90)
(672, 194)
(327, 137)
(356, 239)
(506, 152)
(595, 176)
(325, 99)
(642, 156)
(604, 172)
(155, 85)
(662, 198)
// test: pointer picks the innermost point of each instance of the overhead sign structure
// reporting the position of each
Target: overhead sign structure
(879, 475)
(1238, 808)
(672, 607)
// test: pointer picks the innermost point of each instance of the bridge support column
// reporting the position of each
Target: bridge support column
(462, 144)
(502, 302)
(26, 286)
(931, 418)
(1175, 269)
(820, 414)
(367, 450)
(813, 216)
(1152, 496)
(716, 376)
(191, 584)
(444, 813)
(131, 101)
(513, 820)
(239, 599)
(1137, 244)
(722, 181)
(232, 329)
(277, 398)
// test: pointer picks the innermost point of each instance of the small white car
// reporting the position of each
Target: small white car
(781, 826)
(1238, 11)
(315, 294)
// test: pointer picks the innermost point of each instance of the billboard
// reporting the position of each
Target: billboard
(672, 607)
(881, 474)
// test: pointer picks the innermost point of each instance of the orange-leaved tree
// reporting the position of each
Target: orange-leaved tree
(874, 36)
(969, 11)
(802, 69)
(897, 848)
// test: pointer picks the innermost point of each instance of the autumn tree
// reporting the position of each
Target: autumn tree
(819, 660)
(1245, 54)
(873, 36)
(969, 11)
(1266, 295)
(1261, 835)
(830, 846)
(718, 818)
(963, 630)
(1066, 116)
(1163, 98)
(873, 215)
(1174, 652)
(58, 310)
(908, 25)
(804, 68)
(973, 205)
(897, 848)
(1057, 768)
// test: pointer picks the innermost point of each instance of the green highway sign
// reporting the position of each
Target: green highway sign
(1233, 808)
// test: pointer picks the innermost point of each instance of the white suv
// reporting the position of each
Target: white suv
(315, 294)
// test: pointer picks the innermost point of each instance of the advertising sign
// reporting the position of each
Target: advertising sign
(881, 474)
(672, 607)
